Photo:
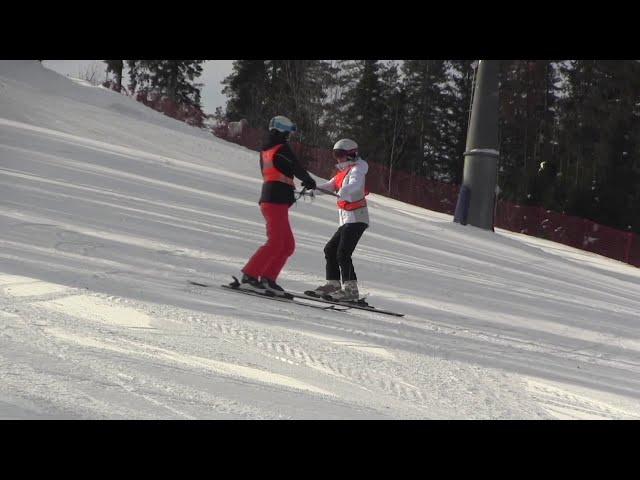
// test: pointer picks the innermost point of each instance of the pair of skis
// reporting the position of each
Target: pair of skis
(291, 297)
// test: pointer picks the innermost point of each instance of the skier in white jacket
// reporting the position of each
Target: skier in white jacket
(353, 214)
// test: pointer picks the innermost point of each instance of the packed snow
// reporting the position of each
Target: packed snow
(108, 209)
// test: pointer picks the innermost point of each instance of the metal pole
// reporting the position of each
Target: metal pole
(476, 205)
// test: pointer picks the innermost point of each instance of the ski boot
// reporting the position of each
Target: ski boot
(349, 293)
(274, 288)
(326, 289)
(252, 284)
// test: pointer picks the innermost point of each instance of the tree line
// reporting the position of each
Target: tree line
(167, 85)
(569, 129)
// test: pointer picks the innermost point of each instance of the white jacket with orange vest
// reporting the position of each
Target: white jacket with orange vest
(352, 190)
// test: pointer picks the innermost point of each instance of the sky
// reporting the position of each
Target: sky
(213, 72)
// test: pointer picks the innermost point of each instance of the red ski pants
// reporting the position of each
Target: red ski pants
(270, 258)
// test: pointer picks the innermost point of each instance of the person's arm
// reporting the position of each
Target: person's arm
(353, 187)
(286, 155)
(329, 186)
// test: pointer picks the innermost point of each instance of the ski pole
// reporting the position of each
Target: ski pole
(327, 192)
(303, 193)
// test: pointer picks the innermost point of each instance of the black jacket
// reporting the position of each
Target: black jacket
(287, 162)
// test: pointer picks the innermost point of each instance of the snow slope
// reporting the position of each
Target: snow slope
(107, 208)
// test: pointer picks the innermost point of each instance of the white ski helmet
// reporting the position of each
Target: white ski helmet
(282, 124)
(347, 147)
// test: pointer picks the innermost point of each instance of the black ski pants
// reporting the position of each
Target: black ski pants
(338, 251)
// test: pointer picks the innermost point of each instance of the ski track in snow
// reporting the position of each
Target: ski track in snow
(107, 210)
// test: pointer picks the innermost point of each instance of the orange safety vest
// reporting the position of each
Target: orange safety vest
(343, 204)
(269, 172)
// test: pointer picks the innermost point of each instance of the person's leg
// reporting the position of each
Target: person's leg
(332, 267)
(286, 241)
(331, 256)
(349, 239)
(277, 226)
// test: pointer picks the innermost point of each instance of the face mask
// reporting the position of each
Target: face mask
(343, 165)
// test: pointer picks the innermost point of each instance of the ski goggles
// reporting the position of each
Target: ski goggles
(343, 153)
(284, 127)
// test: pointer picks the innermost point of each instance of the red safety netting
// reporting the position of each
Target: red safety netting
(574, 231)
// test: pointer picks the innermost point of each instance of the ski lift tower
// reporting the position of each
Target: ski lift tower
(476, 200)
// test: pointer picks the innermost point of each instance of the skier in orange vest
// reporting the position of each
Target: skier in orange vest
(353, 215)
(278, 164)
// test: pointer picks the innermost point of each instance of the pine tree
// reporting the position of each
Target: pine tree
(296, 88)
(321, 81)
(364, 109)
(457, 93)
(116, 67)
(345, 77)
(426, 113)
(136, 69)
(246, 88)
(175, 79)
(526, 123)
(396, 133)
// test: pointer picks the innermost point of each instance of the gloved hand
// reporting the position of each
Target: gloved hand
(309, 184)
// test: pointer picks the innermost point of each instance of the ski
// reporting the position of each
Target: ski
(270, 297)
(359, 304)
